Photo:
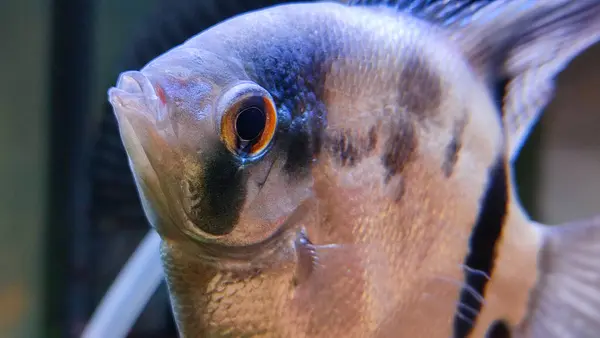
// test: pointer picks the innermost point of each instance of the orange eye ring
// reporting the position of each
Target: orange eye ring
(248, 125)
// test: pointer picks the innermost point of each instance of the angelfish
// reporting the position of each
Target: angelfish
(345, 170)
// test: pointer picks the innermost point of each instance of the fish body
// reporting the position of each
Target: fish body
(322, 169)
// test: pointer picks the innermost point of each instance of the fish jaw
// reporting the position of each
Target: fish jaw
(137, 109)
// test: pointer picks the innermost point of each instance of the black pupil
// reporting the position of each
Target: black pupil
(250, 123)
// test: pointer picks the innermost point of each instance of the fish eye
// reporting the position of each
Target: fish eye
(248, 122)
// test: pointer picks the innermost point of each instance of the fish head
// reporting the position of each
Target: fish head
(204, 143)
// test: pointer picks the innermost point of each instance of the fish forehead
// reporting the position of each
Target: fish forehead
(404, 133)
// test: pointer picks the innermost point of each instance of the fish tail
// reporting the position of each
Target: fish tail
(565, 301)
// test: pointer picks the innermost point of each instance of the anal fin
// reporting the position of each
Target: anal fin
(566, 300)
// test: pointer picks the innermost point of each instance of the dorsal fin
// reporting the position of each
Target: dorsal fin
(437, 11)
(518, 46)
(523, 45)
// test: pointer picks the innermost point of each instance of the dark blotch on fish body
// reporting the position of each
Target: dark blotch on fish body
(225, 187)
(349, 148)
(420, 90)
(453, 148)
(400, 148)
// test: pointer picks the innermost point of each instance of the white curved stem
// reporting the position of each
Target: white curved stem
(129, 293)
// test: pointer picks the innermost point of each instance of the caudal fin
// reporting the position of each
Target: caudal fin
(566, 300)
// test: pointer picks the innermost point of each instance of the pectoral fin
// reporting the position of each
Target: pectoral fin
(566, 300)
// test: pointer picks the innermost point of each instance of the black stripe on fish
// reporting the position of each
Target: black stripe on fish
(481, 256)
(219, 208)
(301, 147)
(297, 88)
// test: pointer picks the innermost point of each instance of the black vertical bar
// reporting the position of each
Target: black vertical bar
(68, 303)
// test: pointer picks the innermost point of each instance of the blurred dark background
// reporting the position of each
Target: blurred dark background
(69, 213)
